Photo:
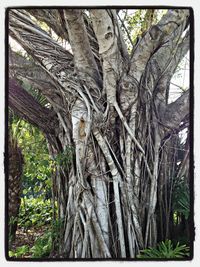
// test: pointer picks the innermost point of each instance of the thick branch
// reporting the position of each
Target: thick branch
(159, 73)
(155, 38)
(106, 30)
(27, 71)
(176, 111)
(28, 108)
(170, 65)
(21, 67)
(83, 56)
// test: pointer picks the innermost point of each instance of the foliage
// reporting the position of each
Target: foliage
(165, 250)
(64, 158)
(36, 178)
(35, 212)
(38, 165)
(41, 99)
(19, 252)
(42, 246)
(181, 198)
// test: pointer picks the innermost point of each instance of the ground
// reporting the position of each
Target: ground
(27, 237)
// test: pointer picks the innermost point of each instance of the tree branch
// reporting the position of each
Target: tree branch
(39, 44)
(170, 65)
(28, 108)
(155, 38)
(51, 57)
(83, 56)
(106, 30)
(158, 73)
(53, 18)
(176, 111)
(27, 71)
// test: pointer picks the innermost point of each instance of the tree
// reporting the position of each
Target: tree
(110, 108)
(15, 163)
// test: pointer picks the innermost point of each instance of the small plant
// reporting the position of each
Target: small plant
(165, 250)
(35, 212)
(43, 246)
(19, 252)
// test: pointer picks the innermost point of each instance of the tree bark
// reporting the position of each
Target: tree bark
(15, 164)
(27, 107)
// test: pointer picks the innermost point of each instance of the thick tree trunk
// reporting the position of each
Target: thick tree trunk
(113, 125)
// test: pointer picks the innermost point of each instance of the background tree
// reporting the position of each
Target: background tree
(110, 107)
(15, 165)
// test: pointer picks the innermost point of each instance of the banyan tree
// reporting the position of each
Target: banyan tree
(109, 109)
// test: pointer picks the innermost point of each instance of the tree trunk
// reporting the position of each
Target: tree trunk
(112, 116)
(14, 185)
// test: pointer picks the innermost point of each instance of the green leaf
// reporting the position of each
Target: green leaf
(165, 250)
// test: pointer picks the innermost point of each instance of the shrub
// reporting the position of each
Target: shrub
(43, 245)
(165, 250)
(19, 252)
(35, 212)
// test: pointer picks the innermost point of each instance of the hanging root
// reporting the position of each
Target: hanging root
(132, 136)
